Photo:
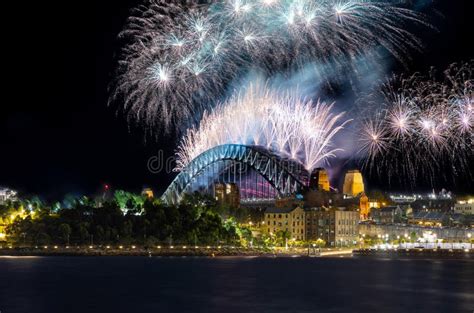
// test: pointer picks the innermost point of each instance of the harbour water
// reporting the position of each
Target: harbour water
(234, 284)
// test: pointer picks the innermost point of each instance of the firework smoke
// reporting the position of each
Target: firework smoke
(423, 124)
(180, 56)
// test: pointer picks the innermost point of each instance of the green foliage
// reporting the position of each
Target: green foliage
(146, 221)
(413, 237)
(129, 202)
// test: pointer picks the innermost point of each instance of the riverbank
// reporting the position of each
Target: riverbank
(416, 253)
(168, 251)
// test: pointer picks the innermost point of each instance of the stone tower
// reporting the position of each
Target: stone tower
(353, 183)
(319, 180)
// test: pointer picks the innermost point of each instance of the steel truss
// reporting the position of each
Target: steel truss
(286, 176)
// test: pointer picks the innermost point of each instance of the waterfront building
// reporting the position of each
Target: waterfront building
(387, 215)
(336, 226)
(318, 224)
(409, 232)
(353, 183)
(291, 220)
(464, 206)
(433, 205)
(429, 218)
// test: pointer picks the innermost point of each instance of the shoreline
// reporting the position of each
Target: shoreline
(414, 254)
(175, 252)
(434, 254)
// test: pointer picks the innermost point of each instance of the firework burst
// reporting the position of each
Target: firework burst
(423, 124)
(281, 122)
(179, 56)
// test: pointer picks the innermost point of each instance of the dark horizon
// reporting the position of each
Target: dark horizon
(60, 136)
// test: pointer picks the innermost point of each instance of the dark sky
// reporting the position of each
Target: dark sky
(57, 133)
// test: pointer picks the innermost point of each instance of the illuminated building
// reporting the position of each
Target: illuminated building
(227, 194)
(336, 226)
(319, 180)
(364, 207)
(387, 215)
(433, 218)
(403, 198)
(291, 220)
(464, 206)
(148, 192)
(353, 183)
(374, 204)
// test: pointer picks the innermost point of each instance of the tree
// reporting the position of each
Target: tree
(84, 232)
(282, 236)
(65, 231)
(413, 237)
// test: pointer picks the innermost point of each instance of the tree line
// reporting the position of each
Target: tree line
(124, 219)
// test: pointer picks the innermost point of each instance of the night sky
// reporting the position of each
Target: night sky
(59, 136)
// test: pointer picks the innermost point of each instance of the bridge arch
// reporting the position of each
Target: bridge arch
(286, 176)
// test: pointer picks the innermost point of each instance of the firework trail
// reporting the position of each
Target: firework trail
(180, 56)
(424, 124)
(281, 122)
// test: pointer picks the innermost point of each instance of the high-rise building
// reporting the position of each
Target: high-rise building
(319, 180)
(353, 183)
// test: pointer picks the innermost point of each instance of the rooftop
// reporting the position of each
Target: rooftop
(279, 210)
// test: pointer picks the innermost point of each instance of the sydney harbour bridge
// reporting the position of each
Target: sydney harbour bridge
(257, 172)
